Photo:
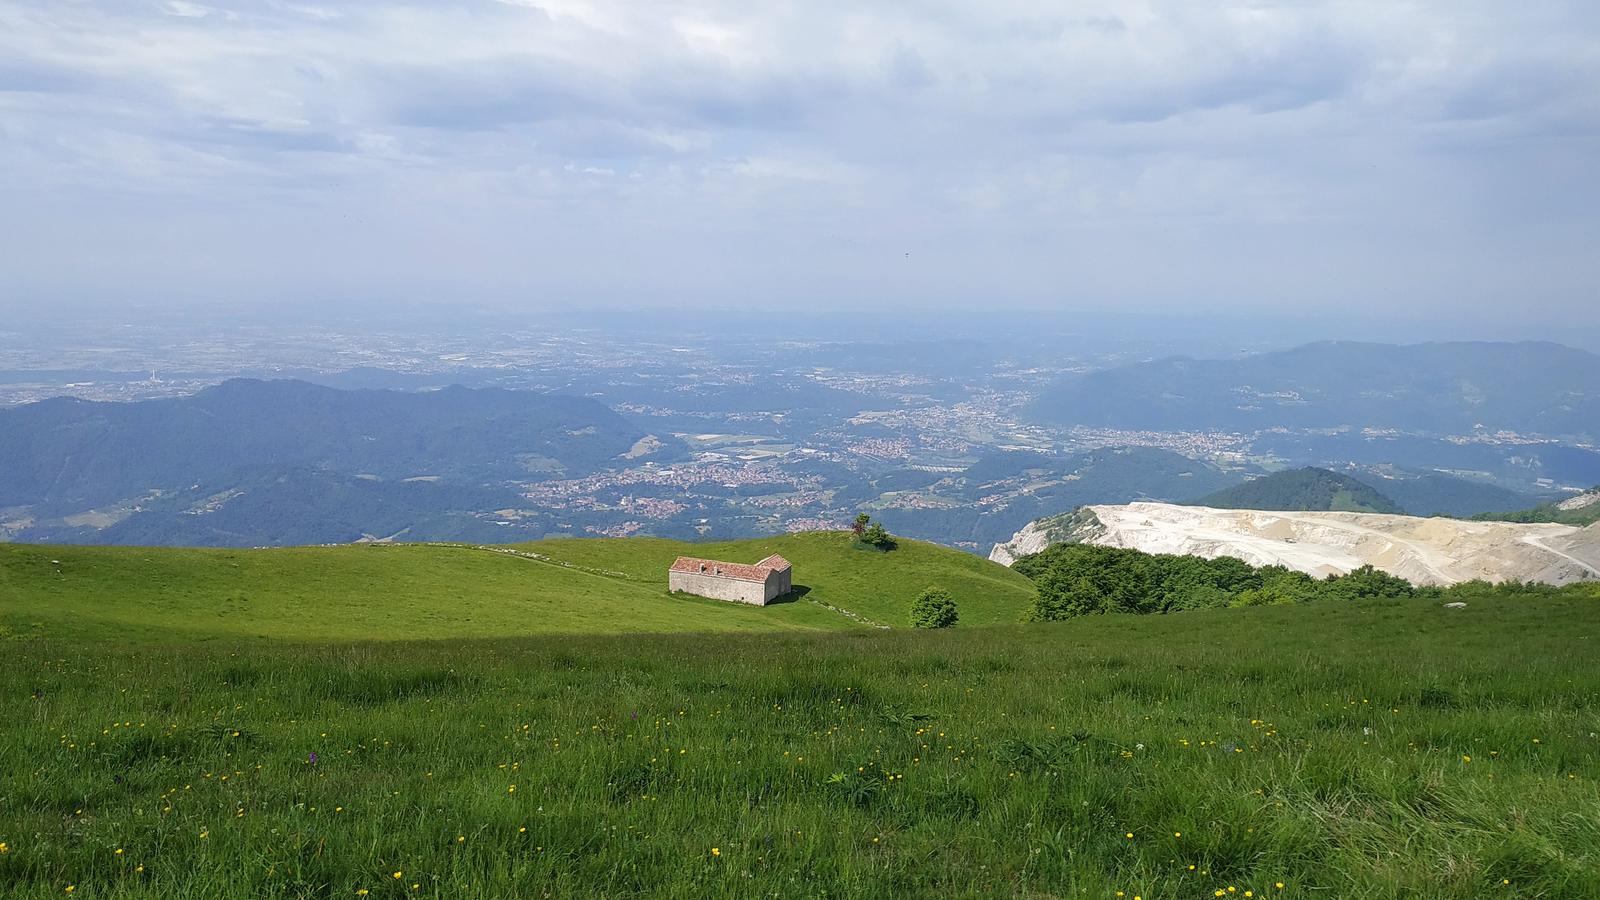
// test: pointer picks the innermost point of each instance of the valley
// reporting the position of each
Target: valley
(524, 434)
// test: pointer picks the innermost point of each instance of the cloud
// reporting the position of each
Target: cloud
(1144, 151)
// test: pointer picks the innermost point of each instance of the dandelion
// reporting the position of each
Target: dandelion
(398, 874)
(4, 847)
(361, 892)
(1129, 835)
(119, 851)
(71, 888)
(716, 851)
(461, 839)
(1279, 885)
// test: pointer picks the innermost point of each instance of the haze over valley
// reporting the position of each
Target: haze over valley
(263, 438)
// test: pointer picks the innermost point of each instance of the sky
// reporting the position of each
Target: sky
(1396, 158)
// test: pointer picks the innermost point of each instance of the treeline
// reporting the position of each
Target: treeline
(1080, 579)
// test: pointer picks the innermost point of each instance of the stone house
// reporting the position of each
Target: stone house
(759, 584)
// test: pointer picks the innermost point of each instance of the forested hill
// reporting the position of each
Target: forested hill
(1302, 490)
(1539, 388)
(96, 452)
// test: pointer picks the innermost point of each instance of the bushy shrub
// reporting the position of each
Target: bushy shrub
(933, 608)
(878, 537)
(1368, 582)
(870, 534)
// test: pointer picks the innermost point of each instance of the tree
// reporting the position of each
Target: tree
(871, 534)
(933, 608)
(876, 536)
(1367, 582)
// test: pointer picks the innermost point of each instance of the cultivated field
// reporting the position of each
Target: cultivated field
(1372, 749)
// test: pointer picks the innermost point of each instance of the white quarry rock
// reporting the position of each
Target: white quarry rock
(1434, 551)
(1582, 501)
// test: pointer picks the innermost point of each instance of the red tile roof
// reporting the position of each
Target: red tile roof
(737, 571)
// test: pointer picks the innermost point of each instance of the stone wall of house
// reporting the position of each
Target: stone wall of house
(779, 583)
(718, 587)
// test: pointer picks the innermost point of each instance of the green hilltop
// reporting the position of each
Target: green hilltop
(431, 591)
(1302, 490)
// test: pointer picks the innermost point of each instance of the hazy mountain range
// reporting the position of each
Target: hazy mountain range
(1456, 388)
(251, 461)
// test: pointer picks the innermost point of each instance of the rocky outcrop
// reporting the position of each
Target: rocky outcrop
(1582, 501)
(1434, 551)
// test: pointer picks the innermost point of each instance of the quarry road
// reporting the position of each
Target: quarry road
(1534, 540)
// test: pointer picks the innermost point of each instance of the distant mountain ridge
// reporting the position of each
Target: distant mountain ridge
(1302, 490)
(250, 461)
(1529, 387)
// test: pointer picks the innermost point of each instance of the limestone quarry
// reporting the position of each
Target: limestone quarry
(1434, 551)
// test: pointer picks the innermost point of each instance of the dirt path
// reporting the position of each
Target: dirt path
(1536, 541)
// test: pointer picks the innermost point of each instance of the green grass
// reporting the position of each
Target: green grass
(422, 591)
(1360, 750)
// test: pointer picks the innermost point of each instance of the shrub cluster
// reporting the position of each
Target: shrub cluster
(933, 608)
(1079, 579)
(871, 534)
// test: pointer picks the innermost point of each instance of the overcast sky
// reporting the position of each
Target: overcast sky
(1298, 156)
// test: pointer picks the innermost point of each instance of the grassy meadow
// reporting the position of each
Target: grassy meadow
(429, 591)
(1369, 749)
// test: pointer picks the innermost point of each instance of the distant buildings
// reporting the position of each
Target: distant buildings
(758, 585)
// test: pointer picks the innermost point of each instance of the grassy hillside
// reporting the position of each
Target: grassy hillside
(1587, 514)
(1302, 490)
(879, 586)
(414, 591)
(1365, 749)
